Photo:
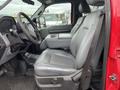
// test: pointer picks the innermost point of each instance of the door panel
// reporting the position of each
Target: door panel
(59, 29)
(55, 29)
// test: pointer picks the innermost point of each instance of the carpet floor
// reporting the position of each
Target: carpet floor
(17, 83)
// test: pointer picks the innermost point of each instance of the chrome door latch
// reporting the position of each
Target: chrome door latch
(113, 77)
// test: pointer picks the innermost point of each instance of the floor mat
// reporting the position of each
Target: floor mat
(17, 83)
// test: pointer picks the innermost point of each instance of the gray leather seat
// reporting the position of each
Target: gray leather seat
(61, 70)
(61, 63)
(55, 62)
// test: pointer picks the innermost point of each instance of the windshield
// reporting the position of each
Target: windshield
(16, 6)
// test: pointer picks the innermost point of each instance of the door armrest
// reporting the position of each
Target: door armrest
(61, 40)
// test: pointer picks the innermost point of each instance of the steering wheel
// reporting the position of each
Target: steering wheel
(34, 39)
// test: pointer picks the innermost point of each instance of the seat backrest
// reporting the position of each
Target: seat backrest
(79, 21)
(81, 41)
(77, 25)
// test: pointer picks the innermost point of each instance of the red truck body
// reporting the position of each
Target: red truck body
(113, 60)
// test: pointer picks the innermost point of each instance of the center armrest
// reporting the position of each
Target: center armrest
(64, 36)
(61, 40)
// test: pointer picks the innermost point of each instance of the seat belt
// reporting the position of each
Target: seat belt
(93, 55)
(79, 25)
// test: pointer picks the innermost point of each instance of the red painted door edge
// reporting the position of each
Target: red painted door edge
(113, 61)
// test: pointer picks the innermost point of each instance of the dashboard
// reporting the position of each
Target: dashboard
(10, 42)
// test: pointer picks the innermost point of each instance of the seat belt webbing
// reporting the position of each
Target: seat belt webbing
(79, 25)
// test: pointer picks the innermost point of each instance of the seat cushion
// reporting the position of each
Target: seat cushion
(55, 63)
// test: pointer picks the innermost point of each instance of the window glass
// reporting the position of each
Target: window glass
(2, 2)
(16, 6)
(58, 14)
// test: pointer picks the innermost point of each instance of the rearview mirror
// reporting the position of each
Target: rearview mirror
(29, 2)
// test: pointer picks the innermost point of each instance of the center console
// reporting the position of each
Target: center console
(61, 40)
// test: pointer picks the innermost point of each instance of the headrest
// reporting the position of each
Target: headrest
(95, 2)
(82, 9)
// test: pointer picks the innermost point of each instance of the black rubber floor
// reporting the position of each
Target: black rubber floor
(17, 83)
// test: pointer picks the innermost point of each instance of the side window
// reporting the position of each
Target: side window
(57, 14)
